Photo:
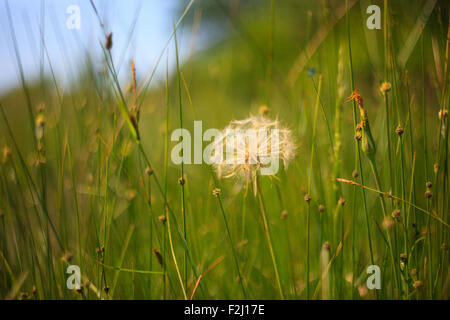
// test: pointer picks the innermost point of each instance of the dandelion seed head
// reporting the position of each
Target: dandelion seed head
(251, 154)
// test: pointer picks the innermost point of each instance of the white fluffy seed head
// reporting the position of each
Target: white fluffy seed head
(245, 159)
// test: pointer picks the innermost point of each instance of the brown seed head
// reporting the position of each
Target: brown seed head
(428, 194)
(263, 110)
(326, 246)
(399, 130)
(341, 202)
(396, 214)
(321, 208)
(284, 214)
(429, 184)
(307, 198)
(355, 174)
(148, 171)
(106, 289)
(444, 247)
(181, 181)
(216, 192)
(414, 272)
(109, 43)
(417, 284)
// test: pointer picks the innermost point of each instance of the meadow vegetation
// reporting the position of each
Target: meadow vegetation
(86, 176)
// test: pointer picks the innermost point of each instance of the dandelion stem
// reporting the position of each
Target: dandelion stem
(268, 238)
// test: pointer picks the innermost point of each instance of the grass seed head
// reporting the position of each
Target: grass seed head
(307, 198)
(396, 214)
(284, 214)
(148, 171)
(399, 130)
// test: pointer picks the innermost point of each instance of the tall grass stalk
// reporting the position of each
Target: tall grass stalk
(358, 162)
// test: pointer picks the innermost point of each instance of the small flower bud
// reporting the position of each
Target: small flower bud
(355, 174)
(444, 247)
(341, 202)
(216, 192)
(284, 214)
(326, 246)
(429, 184)
(181, 181)
(428, 194)
(307, 198)
(321, 208)
(399, 130)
